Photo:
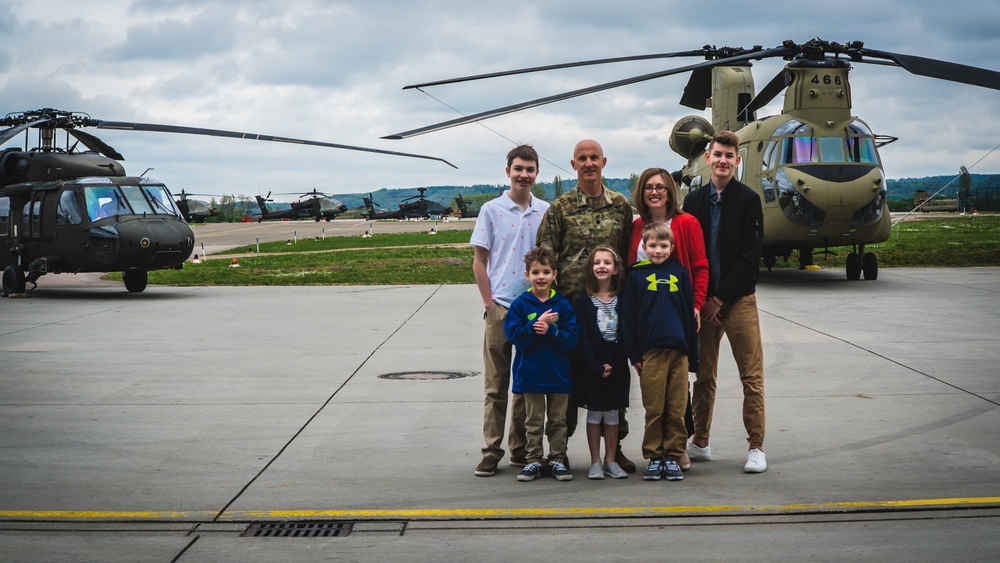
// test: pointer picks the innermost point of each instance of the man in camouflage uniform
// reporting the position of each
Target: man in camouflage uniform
(576, 223)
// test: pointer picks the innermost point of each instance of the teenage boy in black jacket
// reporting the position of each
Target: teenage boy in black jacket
(732, 222)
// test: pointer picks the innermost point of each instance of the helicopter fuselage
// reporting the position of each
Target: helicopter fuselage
(91, 224)
(815, 167)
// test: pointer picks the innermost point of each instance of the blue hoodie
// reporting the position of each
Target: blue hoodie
(541, 361)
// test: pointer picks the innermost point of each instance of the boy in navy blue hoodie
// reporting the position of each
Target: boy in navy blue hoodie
(661, 339)
(541, 324)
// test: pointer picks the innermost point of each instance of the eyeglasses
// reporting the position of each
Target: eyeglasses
(656, 188)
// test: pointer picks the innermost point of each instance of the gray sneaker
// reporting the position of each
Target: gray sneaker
(672, 471)
(595, 472)
(615, 471)
(654, 471)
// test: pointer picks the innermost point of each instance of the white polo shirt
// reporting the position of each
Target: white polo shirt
(508, 234)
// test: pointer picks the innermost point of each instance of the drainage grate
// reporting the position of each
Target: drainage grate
(425, 375)
(297, 530)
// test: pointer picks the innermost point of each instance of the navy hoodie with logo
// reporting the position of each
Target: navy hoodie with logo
(541, 361)
(657, 311)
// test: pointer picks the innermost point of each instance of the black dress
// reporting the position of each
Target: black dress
(590, 389)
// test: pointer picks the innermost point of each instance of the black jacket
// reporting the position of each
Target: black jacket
(740, 237)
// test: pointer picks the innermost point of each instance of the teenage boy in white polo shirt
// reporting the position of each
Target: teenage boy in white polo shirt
(505, 231)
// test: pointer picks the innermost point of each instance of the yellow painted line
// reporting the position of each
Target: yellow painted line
(416, 514)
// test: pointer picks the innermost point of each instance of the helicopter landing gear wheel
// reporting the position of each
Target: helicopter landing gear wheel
(13, 280)
(869, 264)
(135, 281)
(853, 266)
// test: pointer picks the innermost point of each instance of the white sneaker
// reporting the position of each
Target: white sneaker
(756, 462)
(596, 471)
(699, 454)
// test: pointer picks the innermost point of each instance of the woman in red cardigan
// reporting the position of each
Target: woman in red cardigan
(657, 199)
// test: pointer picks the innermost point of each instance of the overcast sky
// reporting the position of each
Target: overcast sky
(334, 72)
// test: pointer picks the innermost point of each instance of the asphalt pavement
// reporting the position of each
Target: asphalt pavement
(163, 426)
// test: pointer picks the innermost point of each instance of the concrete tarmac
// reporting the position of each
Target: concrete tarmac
(160, 426)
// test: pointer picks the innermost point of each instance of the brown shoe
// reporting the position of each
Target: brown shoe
(624, 462)
(518, 461)
(487, 467)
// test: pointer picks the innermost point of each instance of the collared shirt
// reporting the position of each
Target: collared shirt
(508, 233)
(714, 256)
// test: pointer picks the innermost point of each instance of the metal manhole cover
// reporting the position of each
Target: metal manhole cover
(297, 530)
(427, 375)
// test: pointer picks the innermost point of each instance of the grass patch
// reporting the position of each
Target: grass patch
(415, 258)
(953, 242)
(378, 241)
(379, 266)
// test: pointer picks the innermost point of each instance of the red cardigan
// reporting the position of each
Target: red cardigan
(689, 250)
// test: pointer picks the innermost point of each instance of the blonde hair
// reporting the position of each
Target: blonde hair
(659, 231)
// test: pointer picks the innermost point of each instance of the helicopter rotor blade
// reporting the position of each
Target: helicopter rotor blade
(756, 54)
(127, 126)
(943, 70)
(556, 67)
(768, 93)
(95, 144)
(8, 134)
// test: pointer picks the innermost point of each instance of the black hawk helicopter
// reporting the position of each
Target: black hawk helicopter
(815, 166)
(194, 210)
(318, 205)
(69, 210)
(413, 207)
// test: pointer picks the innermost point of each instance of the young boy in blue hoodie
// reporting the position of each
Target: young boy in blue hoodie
(541, 324)
(661, 339)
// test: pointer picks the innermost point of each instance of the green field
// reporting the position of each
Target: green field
(446, 258)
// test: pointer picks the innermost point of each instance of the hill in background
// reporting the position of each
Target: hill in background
(901, 189)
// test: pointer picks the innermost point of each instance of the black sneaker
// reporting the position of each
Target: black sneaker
(672, 471)
(560, 471)
(518, 461)
(654, 471)
(530, 472)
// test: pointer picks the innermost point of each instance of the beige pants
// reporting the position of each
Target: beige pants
(741, 325)
(497, 356)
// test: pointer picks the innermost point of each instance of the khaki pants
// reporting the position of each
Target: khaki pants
(664, 383)
(497, 356)
(546, 412)
(741, 325)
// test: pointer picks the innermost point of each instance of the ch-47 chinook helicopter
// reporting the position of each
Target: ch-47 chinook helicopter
(69, 210)
(815, 166)
(317, 205)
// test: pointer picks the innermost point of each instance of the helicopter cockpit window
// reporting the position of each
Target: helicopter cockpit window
(69, 212)
(160, 199)
(799, 149)
(105, 201)
(140, 206)
(832, 149)
(860, 144)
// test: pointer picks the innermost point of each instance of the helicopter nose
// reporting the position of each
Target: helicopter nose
(143, 243)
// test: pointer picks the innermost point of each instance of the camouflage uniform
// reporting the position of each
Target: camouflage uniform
(575, 224)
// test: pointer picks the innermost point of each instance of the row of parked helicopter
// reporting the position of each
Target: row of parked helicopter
(815, 166)
(324, 207)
